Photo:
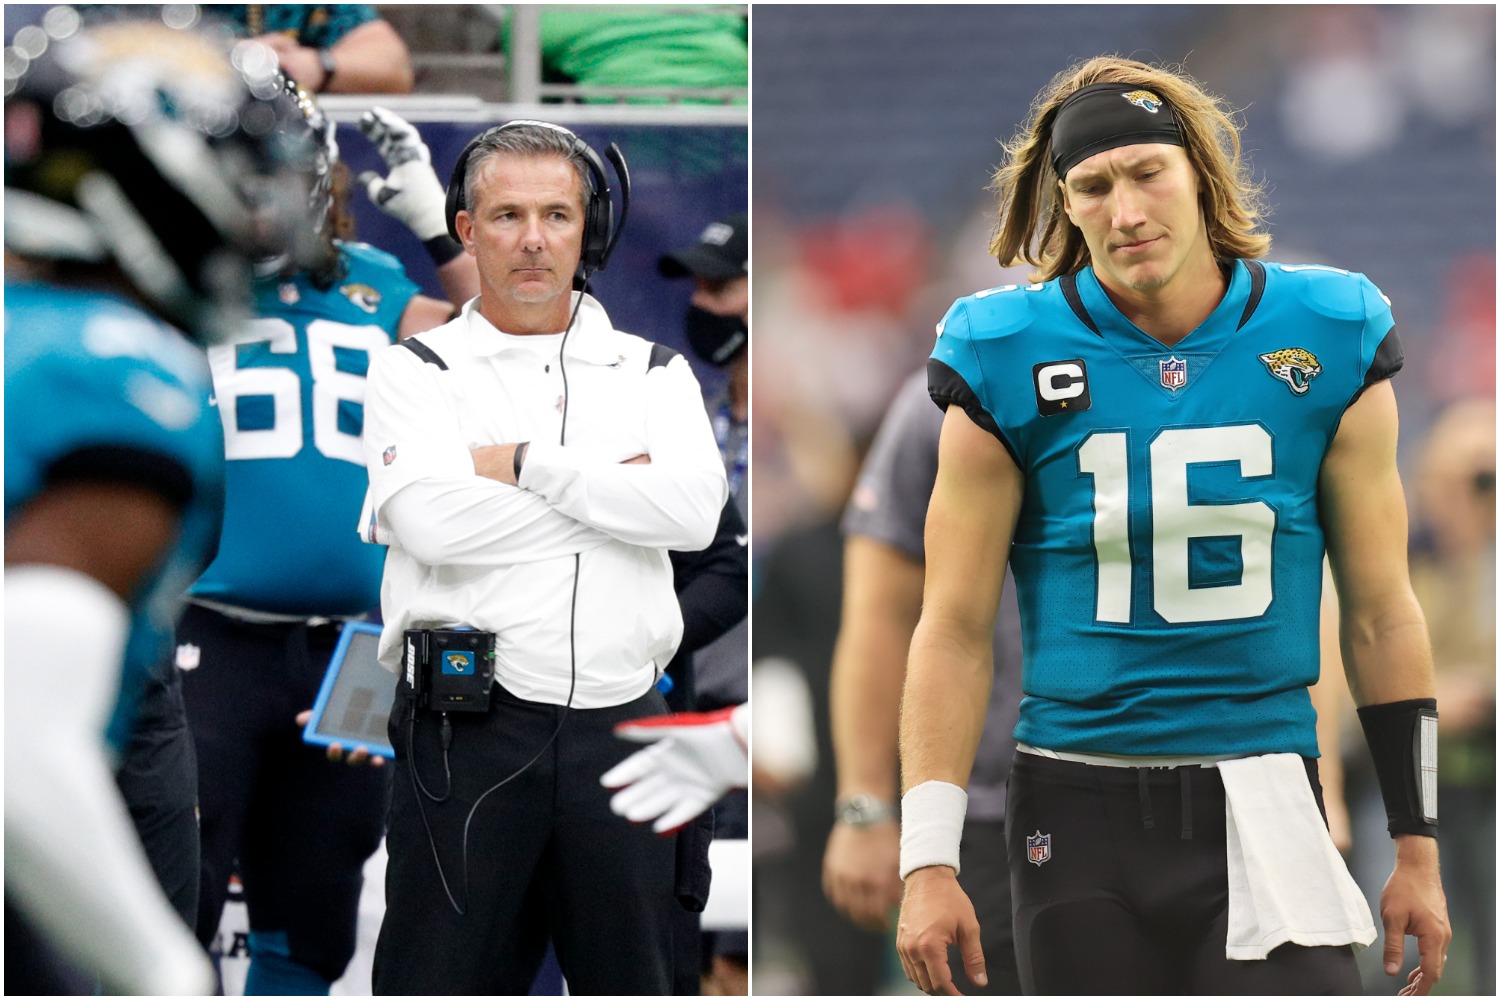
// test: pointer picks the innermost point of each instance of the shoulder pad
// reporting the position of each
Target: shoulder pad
(1330, 291)
(371, 257)
(994, 312)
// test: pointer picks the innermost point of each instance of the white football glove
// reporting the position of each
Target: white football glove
(695, 758)
(410, 191)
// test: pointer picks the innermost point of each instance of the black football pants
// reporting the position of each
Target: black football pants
(1129, 892)
(297, 826)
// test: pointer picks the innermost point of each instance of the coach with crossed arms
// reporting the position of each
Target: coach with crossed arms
(530, 467)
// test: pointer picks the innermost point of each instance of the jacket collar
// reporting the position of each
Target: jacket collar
(589, 340)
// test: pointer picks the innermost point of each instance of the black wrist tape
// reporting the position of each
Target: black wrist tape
(520, 457)
(442, 249)
(1403, 741)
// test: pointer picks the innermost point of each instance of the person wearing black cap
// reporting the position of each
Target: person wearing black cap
(718, 331)
(1163, 435)
(715, 677)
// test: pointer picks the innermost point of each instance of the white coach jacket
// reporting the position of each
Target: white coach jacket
(468, 550)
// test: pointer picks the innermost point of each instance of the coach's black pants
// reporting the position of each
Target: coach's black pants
(541, 855)
(1128, 893)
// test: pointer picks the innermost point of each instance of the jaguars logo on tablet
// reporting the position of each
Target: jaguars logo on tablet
(1143, 99)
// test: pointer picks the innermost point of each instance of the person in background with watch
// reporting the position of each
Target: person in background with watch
(333, 48)
(883, 573)
(328, 48)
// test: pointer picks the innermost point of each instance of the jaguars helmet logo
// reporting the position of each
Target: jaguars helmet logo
(363, 296)
(1144, 100)
(1294, 366)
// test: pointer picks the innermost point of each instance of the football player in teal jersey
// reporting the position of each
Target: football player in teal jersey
(265, 616)
(143, 176)
(1163, 435)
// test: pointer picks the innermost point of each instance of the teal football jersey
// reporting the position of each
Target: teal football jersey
(1168, 555)
(94, 387)
(290, 395)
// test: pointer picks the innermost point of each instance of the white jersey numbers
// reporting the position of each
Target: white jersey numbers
(276, 393)
(1176, 521)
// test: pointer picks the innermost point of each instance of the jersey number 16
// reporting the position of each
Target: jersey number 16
(1175, 522)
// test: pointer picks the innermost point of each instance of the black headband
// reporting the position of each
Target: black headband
(1106, 115)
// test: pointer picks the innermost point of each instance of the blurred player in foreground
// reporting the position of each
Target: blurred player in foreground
(266, 615)
(144, 173)
(1161, 436)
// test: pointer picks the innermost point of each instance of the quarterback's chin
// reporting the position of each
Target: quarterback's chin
(1141, 276)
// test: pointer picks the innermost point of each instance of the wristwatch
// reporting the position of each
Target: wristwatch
(325, 59)
(863, 810)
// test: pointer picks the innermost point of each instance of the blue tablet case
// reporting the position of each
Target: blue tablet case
(354, 703)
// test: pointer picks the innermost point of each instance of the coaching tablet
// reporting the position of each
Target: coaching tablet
(355, 701)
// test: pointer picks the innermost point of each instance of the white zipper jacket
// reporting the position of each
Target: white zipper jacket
(469, 550)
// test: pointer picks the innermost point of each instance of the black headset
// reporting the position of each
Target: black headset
(600, 230)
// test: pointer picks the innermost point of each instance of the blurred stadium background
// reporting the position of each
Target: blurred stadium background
(875, 132)
(667, 83)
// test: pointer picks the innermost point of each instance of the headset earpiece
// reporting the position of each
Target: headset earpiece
(600, 230)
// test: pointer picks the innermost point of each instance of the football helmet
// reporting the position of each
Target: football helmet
(318, 131)
(305, 127)
(164, 151)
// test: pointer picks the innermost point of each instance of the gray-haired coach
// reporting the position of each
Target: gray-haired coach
(530, 467)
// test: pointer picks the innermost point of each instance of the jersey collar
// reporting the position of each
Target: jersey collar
(1222, 322)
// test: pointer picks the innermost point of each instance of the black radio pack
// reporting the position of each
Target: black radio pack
(450, 670)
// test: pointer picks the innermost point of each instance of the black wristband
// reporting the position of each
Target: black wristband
(442, 249)
(520, 457)
(1403, 743)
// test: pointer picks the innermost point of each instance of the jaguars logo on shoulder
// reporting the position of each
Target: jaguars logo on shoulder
(1143, 99)
(1294, 366)
(363, 296)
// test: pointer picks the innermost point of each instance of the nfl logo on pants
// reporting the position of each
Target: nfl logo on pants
(1039, 848)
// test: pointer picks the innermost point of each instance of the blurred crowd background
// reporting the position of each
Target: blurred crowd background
(875, 133)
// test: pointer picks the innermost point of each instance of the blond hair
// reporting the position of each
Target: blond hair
(1032, 226)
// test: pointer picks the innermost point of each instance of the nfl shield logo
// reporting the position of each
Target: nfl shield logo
(1039, 848)
(389, 455)
(1174, 373)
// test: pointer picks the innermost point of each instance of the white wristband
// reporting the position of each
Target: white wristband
(932, 824)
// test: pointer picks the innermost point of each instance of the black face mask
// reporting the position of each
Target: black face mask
(714, 338)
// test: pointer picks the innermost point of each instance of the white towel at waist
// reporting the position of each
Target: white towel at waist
(1287, 882)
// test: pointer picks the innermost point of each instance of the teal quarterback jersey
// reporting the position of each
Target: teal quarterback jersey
(96, 389)
(1168, 555)
(290, 395)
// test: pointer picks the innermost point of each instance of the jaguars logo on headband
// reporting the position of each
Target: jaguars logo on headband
(1143, 99)
(1294, 366)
